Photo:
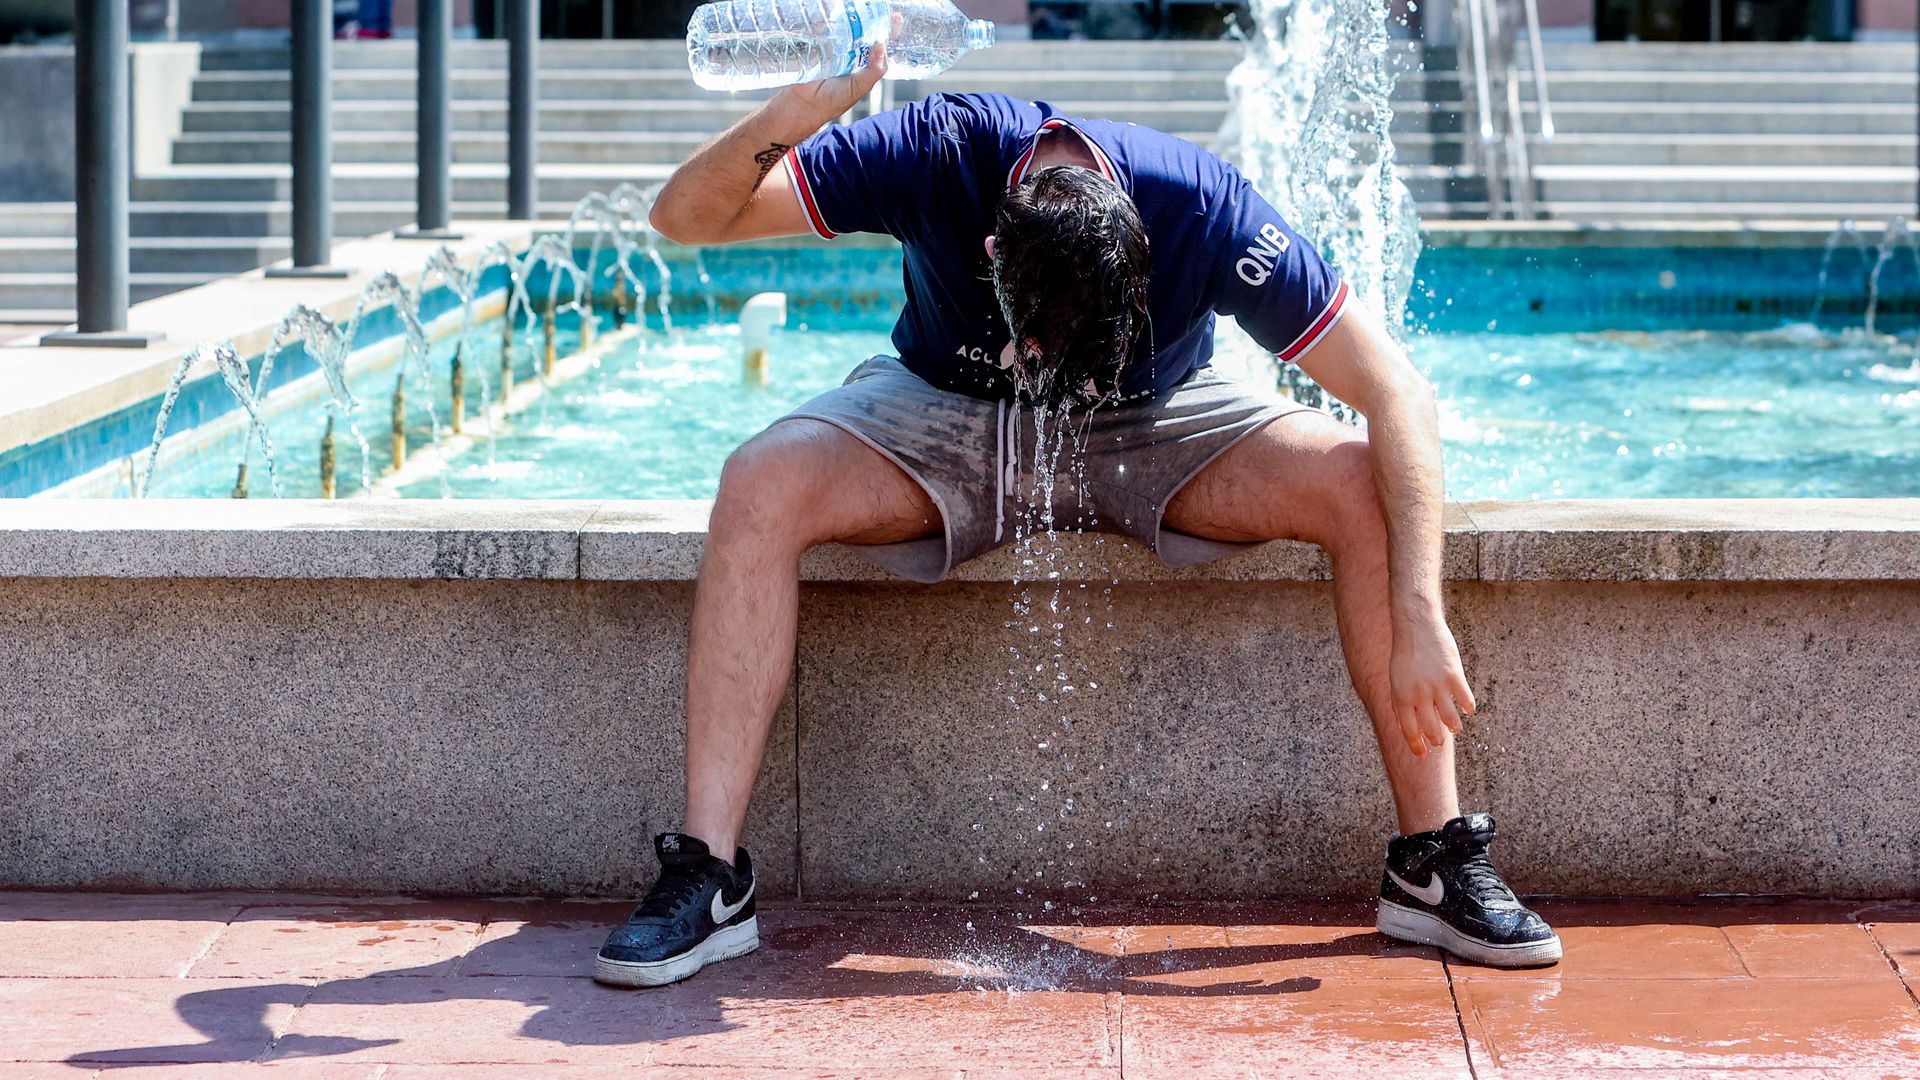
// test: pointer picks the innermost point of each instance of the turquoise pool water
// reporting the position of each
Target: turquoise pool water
(1562, 373)
(1641, 414)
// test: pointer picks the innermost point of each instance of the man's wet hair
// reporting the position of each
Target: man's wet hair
(1070, 270)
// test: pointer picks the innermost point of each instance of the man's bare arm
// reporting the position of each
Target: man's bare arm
(1361, 365)
(730, 188)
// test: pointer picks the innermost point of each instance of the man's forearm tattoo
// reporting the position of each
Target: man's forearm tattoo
(767, 159)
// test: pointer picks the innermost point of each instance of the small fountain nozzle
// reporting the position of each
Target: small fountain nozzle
(457, 383)
(240, 482)
(400, 421)
(547, 359)
(326, 461)
(622, 300)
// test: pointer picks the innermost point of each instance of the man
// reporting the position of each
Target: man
(1078, 263)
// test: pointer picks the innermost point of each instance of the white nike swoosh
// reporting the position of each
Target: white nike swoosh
(1431, 894)
(722, 912)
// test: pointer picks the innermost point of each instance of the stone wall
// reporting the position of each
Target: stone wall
(1676, 698)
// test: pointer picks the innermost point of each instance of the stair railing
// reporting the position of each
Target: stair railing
(1477, 13)
(1538, 52)
(1492, 36)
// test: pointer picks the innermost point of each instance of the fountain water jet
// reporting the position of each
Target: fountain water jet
(1849, 233)
(1897, 237)
(615, 221)
(1309, 124)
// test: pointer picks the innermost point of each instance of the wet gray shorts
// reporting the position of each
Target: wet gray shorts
(976, 458)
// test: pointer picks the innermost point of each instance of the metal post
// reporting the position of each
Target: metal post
(312, 133)
(434, 186)
(523, 119)
(101, 174)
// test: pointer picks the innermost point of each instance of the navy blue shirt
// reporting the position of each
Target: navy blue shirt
(932, 174)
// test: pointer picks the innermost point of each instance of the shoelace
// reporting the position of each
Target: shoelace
(673, 892)
(1482, 880)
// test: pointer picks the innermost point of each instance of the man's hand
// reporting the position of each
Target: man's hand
(1430, 689)
(820, 102)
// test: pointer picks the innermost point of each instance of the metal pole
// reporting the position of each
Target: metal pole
(523, 119)
(312, 136)
(102, 168)
(434, 186)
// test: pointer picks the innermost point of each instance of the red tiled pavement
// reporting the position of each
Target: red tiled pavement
(1896, 930)
(54, 934)
(132, 1021)
(326, 989)
(1674, 1023)
(339, 941)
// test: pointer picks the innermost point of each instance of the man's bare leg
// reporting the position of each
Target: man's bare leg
(1308, 477)
(798, 484)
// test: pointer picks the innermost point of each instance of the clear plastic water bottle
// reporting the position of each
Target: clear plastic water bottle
(753, 44)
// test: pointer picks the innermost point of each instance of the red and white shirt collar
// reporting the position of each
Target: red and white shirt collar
(1019, 170)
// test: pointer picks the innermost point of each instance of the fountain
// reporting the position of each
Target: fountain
(637, 205)
(1897, 238)
(1846, 232)
(464, 286)
(1309, 124)
(607, 222)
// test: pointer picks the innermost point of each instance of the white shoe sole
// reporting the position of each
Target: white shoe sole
(1421, 928)
(723, 944)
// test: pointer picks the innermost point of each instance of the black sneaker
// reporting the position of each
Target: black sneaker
(699, 912)
(1440, 889)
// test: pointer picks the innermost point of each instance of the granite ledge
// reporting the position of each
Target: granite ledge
(1698, 540)
(661, 540)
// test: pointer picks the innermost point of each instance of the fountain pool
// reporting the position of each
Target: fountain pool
(1563, 373)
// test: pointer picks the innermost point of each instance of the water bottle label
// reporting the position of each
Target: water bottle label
(861, 14)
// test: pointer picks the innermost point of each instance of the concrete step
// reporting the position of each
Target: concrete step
(556, 148)
(660, 115)
(1649, 119)
(161, 255)
(663, 148)
(36, 219)
(17, 317)
(393, 184)
(55, 291)
(398, 116)
(1784, 185)
(268, 223)
(555, 85)
(1575, 85)
(656, 53)
(594, 84)
(1638, 211)
(1717, 150)
(235, 218)
(1779, 59)
(1712, 86)
(477, 183)
(466, 55)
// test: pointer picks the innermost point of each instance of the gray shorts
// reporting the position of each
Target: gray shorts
(977, 460)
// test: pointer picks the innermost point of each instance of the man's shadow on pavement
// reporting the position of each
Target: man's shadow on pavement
(803, 956)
